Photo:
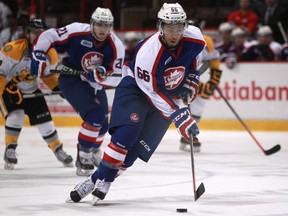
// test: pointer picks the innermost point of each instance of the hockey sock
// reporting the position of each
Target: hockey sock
(87, 136)
(51, 138)
(112, 159)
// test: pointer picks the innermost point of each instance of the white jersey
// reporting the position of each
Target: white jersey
(160, 73)
(14, 60)
(85, 53)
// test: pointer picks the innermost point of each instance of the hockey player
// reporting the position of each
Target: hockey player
(206, 89)
(15, 81)
(90, 47)
(148, 97)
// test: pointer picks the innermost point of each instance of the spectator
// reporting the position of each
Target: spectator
(244, 18)
(4, 12)
(284, 52)
(131, 39)
(23, 12)
(240, 42)
(275, 15)
(266, 48)
(11, 32)
(238, 37)
(225, 45)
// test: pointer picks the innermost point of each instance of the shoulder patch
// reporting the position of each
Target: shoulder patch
(8, 48)
(15, 49)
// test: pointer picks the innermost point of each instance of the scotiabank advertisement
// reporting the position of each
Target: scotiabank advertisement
(257, 91)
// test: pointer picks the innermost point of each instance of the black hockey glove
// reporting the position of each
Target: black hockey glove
(207, 89)
(57, 89)
(14, 93)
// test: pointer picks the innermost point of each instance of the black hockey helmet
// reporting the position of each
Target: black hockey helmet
(36, 24)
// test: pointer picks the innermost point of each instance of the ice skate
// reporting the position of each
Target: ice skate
(100, 191)
(97, 156)
(63, 157)
(185, 146)
(10, 157)
(81, 190)
(84, 163)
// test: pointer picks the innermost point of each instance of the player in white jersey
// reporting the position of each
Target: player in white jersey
(162, 73)
(89, 47)
(15, 81)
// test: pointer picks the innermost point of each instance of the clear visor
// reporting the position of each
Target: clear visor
(176, 28)
(104, 22)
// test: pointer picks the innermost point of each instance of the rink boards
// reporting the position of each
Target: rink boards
(257, 91)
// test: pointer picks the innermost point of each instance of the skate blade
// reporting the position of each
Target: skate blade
(82, 172)
(69, 200)
(95, 200)
(196, 149)
(186, 148)
(68, 164)
(9, 166)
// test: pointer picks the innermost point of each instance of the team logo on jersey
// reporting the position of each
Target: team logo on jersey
(90, 60)
(86, 43)
(173, 77)
(8, 48)
(134, 117)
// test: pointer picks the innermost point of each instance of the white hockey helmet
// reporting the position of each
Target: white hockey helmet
(264, 30)
(172, 13)
(102, 15)
(225, 27)
(131, 35)
(237, 32)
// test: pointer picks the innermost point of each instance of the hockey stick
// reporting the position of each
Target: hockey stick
(273, 150)
(204, 67)
(70, 71)
(280, 26)
(201, 189)
(40, 94)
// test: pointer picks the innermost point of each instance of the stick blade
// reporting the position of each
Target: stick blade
(200, 190)
(273, 150)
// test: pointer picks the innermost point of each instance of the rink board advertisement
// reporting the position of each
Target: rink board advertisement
(258, 91)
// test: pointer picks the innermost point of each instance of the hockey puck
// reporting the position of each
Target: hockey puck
(181, 210)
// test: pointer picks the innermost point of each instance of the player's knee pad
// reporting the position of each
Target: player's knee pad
(46, 128)
(15, 118)
(125, 136)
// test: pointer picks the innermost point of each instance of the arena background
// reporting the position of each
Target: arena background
(257, 91)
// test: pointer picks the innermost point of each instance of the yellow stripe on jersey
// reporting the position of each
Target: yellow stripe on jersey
(51, 81)
(15, 49)
(209, 43)
(3, 83)
(215, 63)
(53, 56)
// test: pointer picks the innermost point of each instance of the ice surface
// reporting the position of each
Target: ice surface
(239, 179)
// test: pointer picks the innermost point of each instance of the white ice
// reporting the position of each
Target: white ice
(239, 178)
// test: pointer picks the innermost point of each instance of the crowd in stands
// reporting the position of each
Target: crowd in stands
(256, 30)
(254, 36)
